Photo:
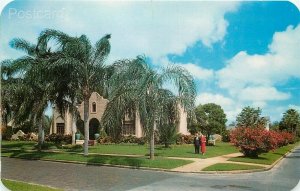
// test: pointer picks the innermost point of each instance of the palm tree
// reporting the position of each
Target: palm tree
(136, 88)
(78, 69)
(7, 88)
(31, 94)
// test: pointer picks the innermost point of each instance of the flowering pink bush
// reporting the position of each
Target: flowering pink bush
(254, 141)
(288, 137)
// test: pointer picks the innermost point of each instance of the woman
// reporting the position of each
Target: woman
(203, 144)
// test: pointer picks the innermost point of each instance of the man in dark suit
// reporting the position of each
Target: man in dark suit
(197, 143)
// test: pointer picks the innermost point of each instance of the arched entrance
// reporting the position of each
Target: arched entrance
(94, 127)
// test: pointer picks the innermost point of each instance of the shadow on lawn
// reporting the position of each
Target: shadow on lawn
(256, 158)
(25, 155)
(114, 160)
(20, 145)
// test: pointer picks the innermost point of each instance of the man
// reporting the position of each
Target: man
(197, 143)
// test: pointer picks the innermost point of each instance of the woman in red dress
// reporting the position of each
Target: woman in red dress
(203, 144)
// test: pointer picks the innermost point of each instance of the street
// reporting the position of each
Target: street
(284, 176)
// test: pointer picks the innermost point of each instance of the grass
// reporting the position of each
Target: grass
(230, 167)
(22, 186)
(184, 151)
(18, 144)
(266, 158)
(135, 162)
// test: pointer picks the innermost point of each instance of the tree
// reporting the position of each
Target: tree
(31, 94)
(275, 126)
(138, 90)
(211, 118)
(290, 121)
(79, 69)
(250, 117)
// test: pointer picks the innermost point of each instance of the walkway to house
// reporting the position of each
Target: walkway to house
(199, 164)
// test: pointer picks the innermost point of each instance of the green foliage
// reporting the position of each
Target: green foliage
(138, 89)
(194, 127)
(167, 134)
(275, 126)
(250, 117)
(211, 119)
(59, 139)
(290, 122)
(184, 139)
(226, 136)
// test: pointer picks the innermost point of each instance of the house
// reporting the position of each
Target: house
(97, 107)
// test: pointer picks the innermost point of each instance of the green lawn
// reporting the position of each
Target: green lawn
(135, 162)
(230, 167)
(22, 186)
(18, 144)
(266, 158)
(185, 151)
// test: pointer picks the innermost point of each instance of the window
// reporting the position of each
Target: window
(128, 128)
(94, 107)
(60, 128)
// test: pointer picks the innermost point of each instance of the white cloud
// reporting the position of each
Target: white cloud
(219, 99)
(260, 93)
(198, 72)
(253, 77)
(151, 28)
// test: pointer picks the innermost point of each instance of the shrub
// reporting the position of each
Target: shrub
(141, 140)
(184, 139)
(226, 136)
(128, 139)
(105, 140)
(167, 134)
(253, 141)
(59, 139)
(288, 137)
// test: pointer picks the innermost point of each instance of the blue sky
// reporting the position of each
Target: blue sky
(240, 53)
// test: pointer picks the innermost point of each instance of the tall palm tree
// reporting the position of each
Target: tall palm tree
(78, 69)
(136, 88)
(7, 88)
(31, 93)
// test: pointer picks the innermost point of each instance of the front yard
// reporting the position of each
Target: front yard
(184, 151)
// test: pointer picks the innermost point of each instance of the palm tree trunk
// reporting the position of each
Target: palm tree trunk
(41, 134)
(86, 125)
(73, 129)
(152, 145)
